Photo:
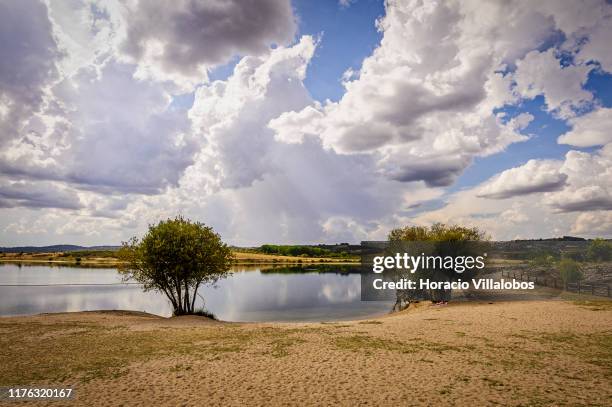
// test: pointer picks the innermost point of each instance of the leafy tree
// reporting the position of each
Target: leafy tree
(569, 270)
(176, 257)
(542, 259)
(440, 240)
(444, 240)
(438, 232)
(294, 250)
(599, 250)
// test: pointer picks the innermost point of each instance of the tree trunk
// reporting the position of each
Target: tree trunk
(179, 289)
(195, 293)
(188, 309)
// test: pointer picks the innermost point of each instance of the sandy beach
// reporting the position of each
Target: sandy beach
(515, 353)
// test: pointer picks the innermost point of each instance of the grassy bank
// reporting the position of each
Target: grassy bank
(521, 353)
(107, 258)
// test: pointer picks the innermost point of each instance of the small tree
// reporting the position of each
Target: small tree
(438, 232)
(569, 270)
(540, 262)
(444, 240)
(599, 250)
(176, 257)
(542, 259)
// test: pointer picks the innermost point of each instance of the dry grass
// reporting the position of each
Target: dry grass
(256, 258)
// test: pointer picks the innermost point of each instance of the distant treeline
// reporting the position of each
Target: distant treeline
(317, 268)
(341, 250)
(91, 253)
(583, 250)
(555, 239)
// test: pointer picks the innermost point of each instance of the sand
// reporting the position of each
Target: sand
(515, 353)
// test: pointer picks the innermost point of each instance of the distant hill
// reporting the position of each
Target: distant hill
(54, 248)
(555, 239)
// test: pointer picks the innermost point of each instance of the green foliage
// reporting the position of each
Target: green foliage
(292, 250)
(569, 270)
(575, 254)
(599, 250)
(438, 232)
(299, 250)
(542, 259)
(91, 253)
(203, 312)
(444, 240)
(318, 268)
(176, 257)
(439, 240)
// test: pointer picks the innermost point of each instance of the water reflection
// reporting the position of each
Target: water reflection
(319, 293)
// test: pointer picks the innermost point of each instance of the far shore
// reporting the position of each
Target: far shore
(241, 259)
(513, 353)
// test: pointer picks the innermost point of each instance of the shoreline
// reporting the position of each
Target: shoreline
(566, 297)
(113, 264)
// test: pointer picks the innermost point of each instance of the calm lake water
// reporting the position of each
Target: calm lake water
(315, 293)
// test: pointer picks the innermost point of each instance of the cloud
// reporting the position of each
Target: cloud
(256, 188)
(108, 133)
(411, 103)
(96, 126)
(541, 73)
(232, 115)
(590, 20)
(593, 224)
(533, 177)
(425, 112)
(583, 199)
(133, 140)
(435, 172)
(591, 129)
(539, 198)
(182, 39)
(589, 182)
(581, 182)
(88, 32)
(345, 3)
(38, 195)
(27, 65)
(343, 229)
(596, 48)
(516, 217)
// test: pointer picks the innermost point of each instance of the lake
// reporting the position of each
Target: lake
(312, 293)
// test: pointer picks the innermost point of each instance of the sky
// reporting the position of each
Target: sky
(278, 121)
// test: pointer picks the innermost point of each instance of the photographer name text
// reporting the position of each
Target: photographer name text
(477, 284)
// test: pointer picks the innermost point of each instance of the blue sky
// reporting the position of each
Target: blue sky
(348, 35)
